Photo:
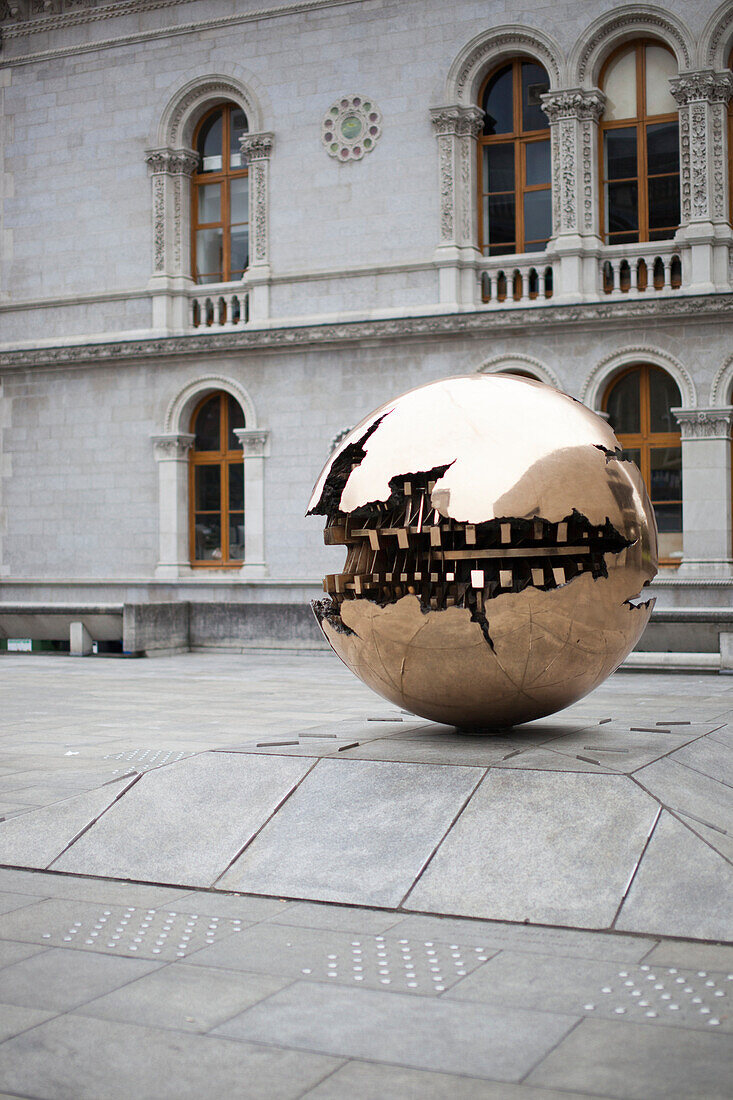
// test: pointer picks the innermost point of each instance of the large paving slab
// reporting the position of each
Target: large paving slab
(553, 848)
(355, 831)
(186, 822)
(682, 888)
(36, 838)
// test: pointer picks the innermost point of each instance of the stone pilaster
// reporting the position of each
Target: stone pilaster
(574, 115)
(255, 447)
(706, 491)
(257, 149)
(456, 129)
(703, 97)
(170, 173)
(171, 454)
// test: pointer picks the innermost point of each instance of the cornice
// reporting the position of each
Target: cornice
(478, 324)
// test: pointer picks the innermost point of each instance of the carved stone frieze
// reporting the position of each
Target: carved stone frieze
(158, 223)
(447, 187)
(568, 208)
(497, 45)
(586, 143)
(480, 323)
(711, 423)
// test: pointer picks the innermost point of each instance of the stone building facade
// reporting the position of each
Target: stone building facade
(367, 271)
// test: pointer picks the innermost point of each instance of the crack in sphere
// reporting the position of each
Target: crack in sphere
(495, 537)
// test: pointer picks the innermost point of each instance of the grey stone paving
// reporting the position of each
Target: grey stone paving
(111, 988)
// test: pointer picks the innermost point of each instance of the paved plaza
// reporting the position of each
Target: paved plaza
(350, 856)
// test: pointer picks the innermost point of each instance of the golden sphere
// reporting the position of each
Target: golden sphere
(495, 539)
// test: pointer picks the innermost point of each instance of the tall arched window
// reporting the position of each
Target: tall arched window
(515, 209)
(638, 403)
(220, 198)
(640, 159)
(216, 486)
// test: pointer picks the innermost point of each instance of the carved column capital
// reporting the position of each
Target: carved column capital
(172, 446)
(707, 85)
(257, 146)
(576, 103)
(254, 441)
(172, 162)
(457, 120)
(708, 423)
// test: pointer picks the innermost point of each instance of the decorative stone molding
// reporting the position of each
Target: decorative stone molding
(172, 446)
(175, 162)
(351, 128)
(257, 148)
(498, 363)
(721, 390)
(573, 115)
(182, 405)
(610, 30)
(702, 98)
(595, 384)
(345, 333)
(456, 128)
(715, 40)
(169, 170)
(181, 113)
(709, 423)
(490, 49)
(254, 441)
(579, 103)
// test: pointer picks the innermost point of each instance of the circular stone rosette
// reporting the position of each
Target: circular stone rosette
(351, 128)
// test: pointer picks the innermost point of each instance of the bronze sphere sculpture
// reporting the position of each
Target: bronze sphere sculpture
(496, 538)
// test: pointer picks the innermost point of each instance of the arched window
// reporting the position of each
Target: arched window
(638, 403)
(216, 486)
(220, 198)
(515, 211)
(640, 159)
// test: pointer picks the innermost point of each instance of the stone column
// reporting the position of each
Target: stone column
(171, 454)
(706, 491)
(170, 172)
(456, 128)
(575, 245)
(257, 149)
(702, 97)
(255, 447)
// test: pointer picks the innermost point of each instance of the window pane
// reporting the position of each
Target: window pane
(666, 473)
(499, 167)
(662, 148)
(624, 405)
(208, 538)
(537, 162)
(209, 252)
(239, 249)
(622, 212)
(209, 143)
(237, 127)
(537, 215)
(501, 219)
(534, 84)
(209, 202)
(633, 454)
(207, 427)
(236, 537)
(619, 85)
(620, 153)
(208, 488)
(498, 103)
(664, 394)
(236, 486)
(660, 66)
(669, 522)
(236, 420)
(239, 199)
(664, 202)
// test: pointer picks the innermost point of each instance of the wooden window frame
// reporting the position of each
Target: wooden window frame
(223, 458)
(644, 441)
(223, 177)
(639, 122)
(520, 139)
